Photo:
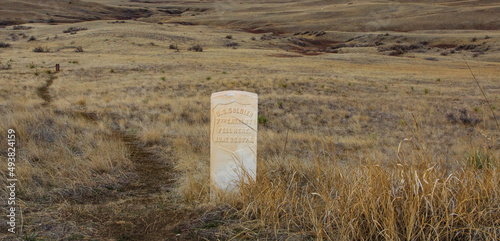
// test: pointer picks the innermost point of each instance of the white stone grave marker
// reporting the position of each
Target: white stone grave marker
(233, 140)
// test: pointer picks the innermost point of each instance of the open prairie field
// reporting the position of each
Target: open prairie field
(378, 120)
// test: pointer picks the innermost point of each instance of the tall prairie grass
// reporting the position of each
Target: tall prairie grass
(416, 195)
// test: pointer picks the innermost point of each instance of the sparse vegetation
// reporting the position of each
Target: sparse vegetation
(173, 46)
(464, 117)
(196, 48)
(41, 49)
(6, 65)
(4, 45)
(397, 50)
(481, 159)
(13, 36)
(231, 44)
(81, 102)
(32, 236)
(262, 119)
(21, 27)
(73, 30)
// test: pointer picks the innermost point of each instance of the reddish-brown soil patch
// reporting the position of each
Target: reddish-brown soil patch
(255, 31)
(284, 55)
(320, 43)
(262, 30)
(306, 50)
(445, 46)
(184, 23)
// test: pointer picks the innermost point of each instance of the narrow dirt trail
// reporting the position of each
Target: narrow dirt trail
(144, 208)
(43, 91)
(140, 208)
(153, 175)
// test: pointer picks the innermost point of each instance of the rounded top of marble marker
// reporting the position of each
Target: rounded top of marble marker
(234, 93)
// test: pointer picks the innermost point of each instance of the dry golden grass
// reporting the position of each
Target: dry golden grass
(341, 156)
(415, 197)
(60, 154)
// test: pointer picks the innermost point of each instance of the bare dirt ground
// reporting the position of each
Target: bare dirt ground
(130, 104)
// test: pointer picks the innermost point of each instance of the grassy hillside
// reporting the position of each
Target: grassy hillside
(366, 15)
(65, 11)
(363, 134)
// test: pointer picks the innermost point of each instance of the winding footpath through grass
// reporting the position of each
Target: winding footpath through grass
(141, 207)
(43, 91)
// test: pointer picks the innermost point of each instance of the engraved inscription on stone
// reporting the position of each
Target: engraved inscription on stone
(233, 145)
